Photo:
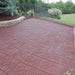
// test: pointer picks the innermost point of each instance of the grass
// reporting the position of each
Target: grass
(65, 18)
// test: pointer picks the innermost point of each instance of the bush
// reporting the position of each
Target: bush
(15, 13)
(70, 72)
(55, 13)
(22, 13)
(31, 13)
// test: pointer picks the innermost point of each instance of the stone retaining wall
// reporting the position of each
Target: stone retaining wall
(11, 22)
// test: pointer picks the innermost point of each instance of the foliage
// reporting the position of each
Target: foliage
(22, 13)
(15, 13)
(70, 72)
(66, 8)
(25, 5)
(31, 13)
(7, 6)
(56, 13)
(65, 18)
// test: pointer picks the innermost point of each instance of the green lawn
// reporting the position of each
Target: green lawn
(65, 18)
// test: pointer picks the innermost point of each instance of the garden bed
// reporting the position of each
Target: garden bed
(8, 21)
(6, 18)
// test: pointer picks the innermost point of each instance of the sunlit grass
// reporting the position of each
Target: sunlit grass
(65, 18)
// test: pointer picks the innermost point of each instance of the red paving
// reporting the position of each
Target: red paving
(36, 47)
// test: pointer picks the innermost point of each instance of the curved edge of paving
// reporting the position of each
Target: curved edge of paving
(53, 21)
(11, 22)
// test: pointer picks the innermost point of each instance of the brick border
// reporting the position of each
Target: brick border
(11, 22)
(74, 36)
(53, 21)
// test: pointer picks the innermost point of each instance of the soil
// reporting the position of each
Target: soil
(6, 18)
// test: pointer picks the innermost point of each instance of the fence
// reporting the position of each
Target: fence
(42, 12)
(39, 10)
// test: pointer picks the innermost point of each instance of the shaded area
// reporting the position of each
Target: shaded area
(36, 47)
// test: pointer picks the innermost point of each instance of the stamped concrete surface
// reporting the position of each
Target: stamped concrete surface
(36, 47)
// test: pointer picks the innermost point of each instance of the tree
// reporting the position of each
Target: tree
(7, 6)
(68, 7)
(25, 5)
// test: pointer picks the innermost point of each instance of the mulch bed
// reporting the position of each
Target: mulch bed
(6, 18)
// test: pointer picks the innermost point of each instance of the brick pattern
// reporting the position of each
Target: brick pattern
(36, 47)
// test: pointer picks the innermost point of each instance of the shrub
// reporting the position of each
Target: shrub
(22, 13)
(70, 72)
(55, 13)
(15, 13)
(31, 13)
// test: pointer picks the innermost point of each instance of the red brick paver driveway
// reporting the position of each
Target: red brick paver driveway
(36, 47)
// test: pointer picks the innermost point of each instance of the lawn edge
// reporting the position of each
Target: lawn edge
(53, 21)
